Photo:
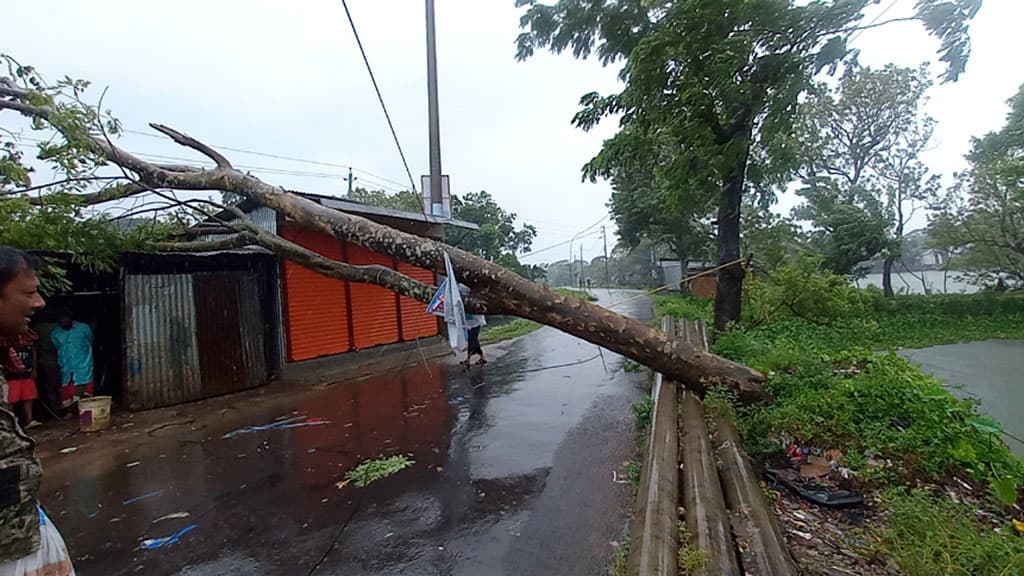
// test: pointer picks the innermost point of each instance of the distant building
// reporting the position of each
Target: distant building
(670, 273)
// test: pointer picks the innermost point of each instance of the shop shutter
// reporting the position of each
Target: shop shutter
(315, 305)
(374, 309)
(416, 323)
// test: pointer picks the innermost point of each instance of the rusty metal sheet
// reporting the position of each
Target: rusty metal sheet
(160, 337)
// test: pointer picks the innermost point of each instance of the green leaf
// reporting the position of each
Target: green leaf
(985, 424)
(1005, 490)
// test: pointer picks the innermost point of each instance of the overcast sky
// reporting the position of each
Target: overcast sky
(286, 78)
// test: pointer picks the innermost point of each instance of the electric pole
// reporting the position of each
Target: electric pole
(436, 202)
(350, 180)
(604, 237)
(581, 265)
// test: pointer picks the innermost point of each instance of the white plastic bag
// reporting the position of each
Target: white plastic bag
(51, 559)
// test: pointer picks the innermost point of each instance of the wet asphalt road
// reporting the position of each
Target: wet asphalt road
(513, 475)
(988, 371)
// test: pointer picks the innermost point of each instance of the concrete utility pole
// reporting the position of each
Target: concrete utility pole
(581, 265)
(350, 180)
(604, 237)
(436, 202)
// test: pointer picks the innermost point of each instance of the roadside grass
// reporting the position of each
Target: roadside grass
(832, 389)
(514, 329)
(929, 534)
(521, 326)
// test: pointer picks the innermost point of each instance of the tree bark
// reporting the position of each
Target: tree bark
(729, 292)
(887, 277)
(498, 290)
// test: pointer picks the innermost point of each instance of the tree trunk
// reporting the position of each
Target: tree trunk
(729, 293)
(507, 292)
(887, 277)
(496, 290)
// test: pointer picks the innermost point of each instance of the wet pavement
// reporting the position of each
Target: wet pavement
(988, 371)
(512, 475)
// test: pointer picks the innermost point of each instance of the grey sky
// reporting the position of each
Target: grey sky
(286, 78)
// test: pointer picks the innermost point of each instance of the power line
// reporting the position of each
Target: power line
(282, 157)
(261, 169)
(376, 88)
(553, 246)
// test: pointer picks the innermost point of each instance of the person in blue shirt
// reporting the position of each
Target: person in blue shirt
(73, 341)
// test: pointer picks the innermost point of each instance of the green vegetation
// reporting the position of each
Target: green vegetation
(929, 534)
(642, 413)
(370, 471)
(521, 326)
(827, 349)
(691, 558)
(619, 560)
(514, 329)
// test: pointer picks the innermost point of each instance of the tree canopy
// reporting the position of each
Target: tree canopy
(719, 80)
(858, 150)
(981, 220)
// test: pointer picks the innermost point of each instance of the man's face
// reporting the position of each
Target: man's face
(65, 321)
(18, 301)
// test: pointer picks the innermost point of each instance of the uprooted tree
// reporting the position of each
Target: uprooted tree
(81, 150)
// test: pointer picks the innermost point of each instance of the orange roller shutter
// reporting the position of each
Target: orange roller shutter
(374, 309)
(416, 323)
(315, 305)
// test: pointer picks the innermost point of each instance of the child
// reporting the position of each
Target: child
(20, 363)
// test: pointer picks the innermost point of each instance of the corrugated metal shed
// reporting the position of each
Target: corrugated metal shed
(160, 337)
(193, 335)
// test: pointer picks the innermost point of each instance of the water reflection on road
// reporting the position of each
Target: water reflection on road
(512, 475)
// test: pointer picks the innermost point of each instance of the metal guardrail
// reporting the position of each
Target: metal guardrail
(726, 514)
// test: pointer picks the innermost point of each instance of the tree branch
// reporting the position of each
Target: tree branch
(501, 289)
(190, 142)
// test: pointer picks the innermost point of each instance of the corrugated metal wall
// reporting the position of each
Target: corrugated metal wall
(374, 309)
(162, 349)
(316, 307)
(416, 323)
(192, 336)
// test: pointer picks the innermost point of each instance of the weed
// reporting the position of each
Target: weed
(632, 367)
(578, 294)
(928, 535)
(691, 558)
(642, 412)
(370, 471)
(620, 559)
(514, 329)
(633, 471)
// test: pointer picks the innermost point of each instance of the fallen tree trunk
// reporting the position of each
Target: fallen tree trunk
(496, 289)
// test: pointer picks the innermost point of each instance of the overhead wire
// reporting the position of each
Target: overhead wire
(380, 98)
(553, 246)
(284, 157)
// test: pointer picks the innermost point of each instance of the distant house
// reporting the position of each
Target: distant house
(670, 273)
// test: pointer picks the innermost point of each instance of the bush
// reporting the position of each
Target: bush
(802, 290)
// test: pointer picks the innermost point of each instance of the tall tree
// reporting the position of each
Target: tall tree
(649, 200)
(77, 136)
(859, 149)
(981, 220)
(720, 79)
(405, 200)
(499, 238)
